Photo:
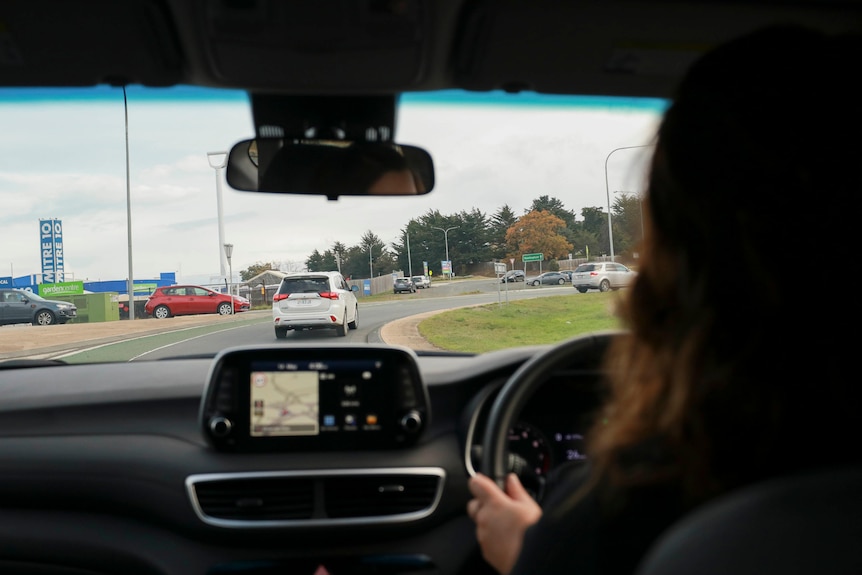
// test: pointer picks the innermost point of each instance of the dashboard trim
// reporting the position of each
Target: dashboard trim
(397, 518)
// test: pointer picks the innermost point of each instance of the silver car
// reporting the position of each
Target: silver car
(421, 282)
(603, 276)
(314, 300)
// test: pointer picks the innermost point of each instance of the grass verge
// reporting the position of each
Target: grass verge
(537, 321)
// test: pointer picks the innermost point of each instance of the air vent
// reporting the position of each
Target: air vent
(224, 400)
(256, 499)
(281, 499)
(378, 495)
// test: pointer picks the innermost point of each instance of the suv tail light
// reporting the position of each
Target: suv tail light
(324, 294)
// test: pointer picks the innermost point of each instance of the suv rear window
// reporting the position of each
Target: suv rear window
(304, 285)
(587, 268)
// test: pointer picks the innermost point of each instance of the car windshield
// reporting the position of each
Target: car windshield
(96, 194)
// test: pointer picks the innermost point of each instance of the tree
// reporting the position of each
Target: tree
(555, 207)
(433, 240)
(585, 244)
(471, 240)
(538, 232)
(338, 251)
(594, 219)
(595, 228)
(255, 269)
(314, 263)
(377, 257)
(409, 252)
(318, 262)
(355, 263)
(628, 223)
(499, 224)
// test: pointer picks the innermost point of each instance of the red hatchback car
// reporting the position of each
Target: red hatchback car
(190, 299)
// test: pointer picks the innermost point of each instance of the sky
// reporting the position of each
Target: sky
(63, 155)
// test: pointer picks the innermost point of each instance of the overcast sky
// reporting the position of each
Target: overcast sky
(65, 158)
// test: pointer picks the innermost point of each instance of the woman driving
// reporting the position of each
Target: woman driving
(730, 371)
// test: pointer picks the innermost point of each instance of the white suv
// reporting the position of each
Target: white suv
(602, 276)
(314, 300)
(421, 282)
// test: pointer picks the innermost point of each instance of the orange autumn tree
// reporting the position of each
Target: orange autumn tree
(537, 232)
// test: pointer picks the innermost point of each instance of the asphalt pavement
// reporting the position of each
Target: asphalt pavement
(24, 340)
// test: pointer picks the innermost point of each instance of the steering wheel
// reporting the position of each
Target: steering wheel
(587, 350)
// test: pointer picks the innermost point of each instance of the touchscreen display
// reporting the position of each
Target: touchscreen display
(293, 398)
(284, 403)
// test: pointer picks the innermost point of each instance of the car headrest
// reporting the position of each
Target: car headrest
(809, 523)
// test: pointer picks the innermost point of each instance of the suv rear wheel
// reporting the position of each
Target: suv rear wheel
(280, 332)
(355, 323)
(341, 330)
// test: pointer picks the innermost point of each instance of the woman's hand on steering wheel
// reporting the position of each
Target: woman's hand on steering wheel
(501, 518)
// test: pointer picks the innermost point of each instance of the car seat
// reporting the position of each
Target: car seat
(808, 523)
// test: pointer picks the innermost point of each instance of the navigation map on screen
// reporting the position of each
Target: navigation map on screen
(284, 403)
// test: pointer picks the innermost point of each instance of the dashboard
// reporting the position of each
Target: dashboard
(354, 459)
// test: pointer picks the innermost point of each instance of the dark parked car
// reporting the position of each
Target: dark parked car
(513, 276)
(402, 285)
(19, 306)
(548, 278)
(190, 299)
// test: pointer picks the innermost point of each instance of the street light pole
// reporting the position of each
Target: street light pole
(130, 282)
(409, 261)
(446, 240)
(228, 252)
(608, 192)
(217, 161)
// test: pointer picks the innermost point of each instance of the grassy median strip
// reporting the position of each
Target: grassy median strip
(526, 322)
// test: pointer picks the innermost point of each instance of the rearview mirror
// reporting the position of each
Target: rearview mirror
(329, 167)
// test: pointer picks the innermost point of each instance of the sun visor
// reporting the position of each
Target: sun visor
(604, 48)
(315, 47)
(88, 43)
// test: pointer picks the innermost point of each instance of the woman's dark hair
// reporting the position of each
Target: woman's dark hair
(739, 361)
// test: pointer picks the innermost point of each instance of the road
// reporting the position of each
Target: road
(147, 339)
(372, 318)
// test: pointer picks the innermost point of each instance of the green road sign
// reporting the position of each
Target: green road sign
(533, 258)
